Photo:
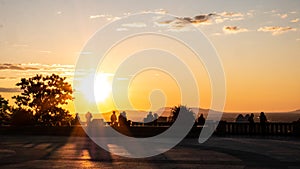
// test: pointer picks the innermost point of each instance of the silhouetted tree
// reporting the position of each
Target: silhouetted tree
(43, 98)
(4, 111)
(188, 113)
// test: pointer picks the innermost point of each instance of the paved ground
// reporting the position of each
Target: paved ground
(218, 152)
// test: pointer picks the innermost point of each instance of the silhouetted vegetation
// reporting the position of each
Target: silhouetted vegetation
(41, 101)
(5, 115)
(188, 113)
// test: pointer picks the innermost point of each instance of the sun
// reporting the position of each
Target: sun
(102, 87)
(101, 90)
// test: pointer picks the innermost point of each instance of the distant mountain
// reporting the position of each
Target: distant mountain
(139, 115)
(296, 111)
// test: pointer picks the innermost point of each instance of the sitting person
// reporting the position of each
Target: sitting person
(201, 120)
(239, 119)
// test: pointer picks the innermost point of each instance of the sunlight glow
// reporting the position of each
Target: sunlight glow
(102, 87)
(101, 90)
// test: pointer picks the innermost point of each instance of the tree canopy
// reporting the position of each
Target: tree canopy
(188, 113)
(42, 98)
(4, 111)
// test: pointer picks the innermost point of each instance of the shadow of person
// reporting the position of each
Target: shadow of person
(96, 152)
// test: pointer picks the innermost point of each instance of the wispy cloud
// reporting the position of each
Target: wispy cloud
(158, 11)
(8, 66)
(107, 17)
(9, 90)
(35, 67)
(283, 16)
(295, 20)
(7, 78)
(276, 30)
(135, 25)
(97, 16)
(234, 29)
(271, 12)
(180, 23)
(231, 14)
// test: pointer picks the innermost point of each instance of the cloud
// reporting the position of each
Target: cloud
(158, 11)
(8, 66)
(9, 90)
(270, 12)
(295, 20)
(107, 17)
(234, 29)
(283, 16)
(276, 30)
(37, 67)
(180, 23)
(7, 78)
(231, 14)
(134, 25)
(97, 16)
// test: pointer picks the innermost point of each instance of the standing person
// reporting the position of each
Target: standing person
(122, 119)
(88, 117)
(251, 123)
(155, 119)
(77, 119)
(150, 117)
(113, 119)
(263, 122)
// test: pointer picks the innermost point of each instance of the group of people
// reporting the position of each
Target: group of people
(122, 119)
(250, 119)
(151, 117)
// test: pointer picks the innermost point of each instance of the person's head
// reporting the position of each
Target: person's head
(150, 112)
(262, 113)
(252, 115)
(114, 112)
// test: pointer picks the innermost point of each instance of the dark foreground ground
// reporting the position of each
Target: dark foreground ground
(218, 152)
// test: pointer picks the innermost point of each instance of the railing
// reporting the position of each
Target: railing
(232, 128)
(150, 129)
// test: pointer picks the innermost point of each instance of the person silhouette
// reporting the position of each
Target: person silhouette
(155, 119)
(150, 117)
(88, 117)
(246, 117)
(263, 122)
(113, 119)
(201, 120)
(123, 119)
(251, 123)
(77, 119)
(239, 118)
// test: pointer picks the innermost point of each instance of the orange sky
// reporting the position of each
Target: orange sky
(258, 45)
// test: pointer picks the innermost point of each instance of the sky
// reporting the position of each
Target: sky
(258, 43)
